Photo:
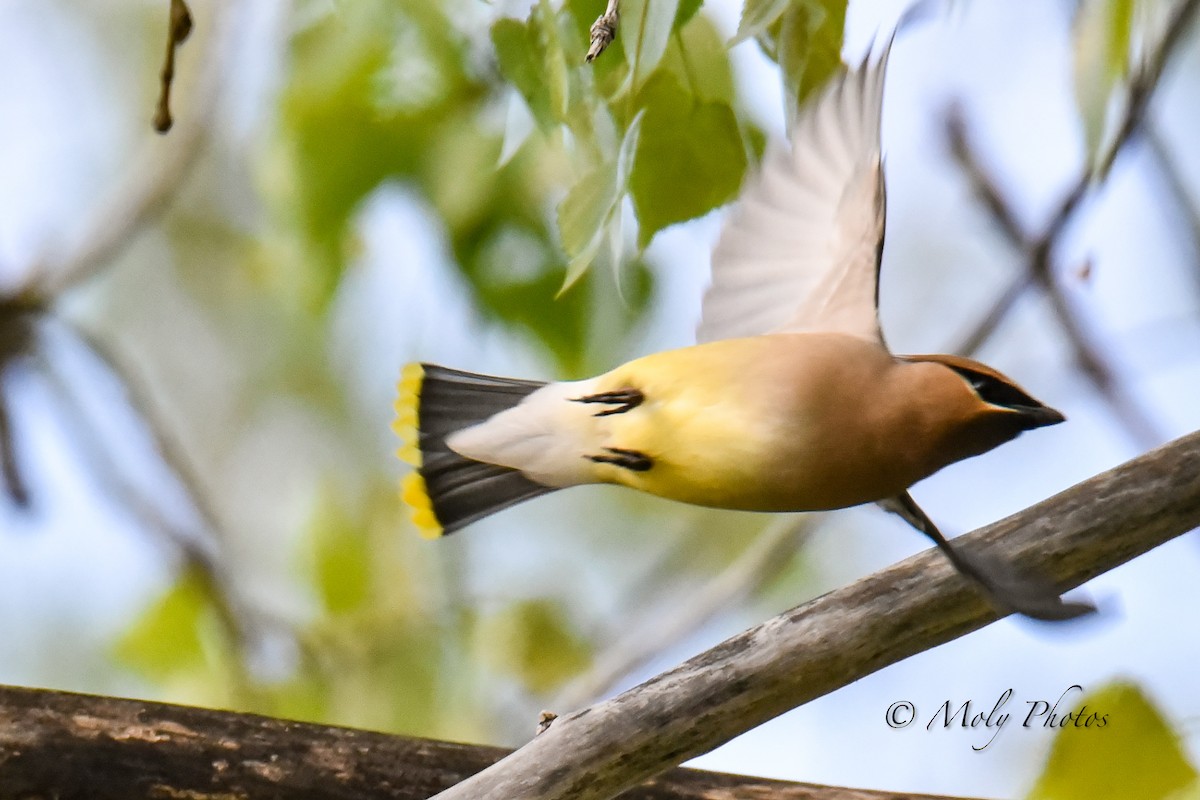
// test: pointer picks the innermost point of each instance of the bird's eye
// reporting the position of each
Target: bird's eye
(997, 392)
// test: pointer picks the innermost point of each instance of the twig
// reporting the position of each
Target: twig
(145, 191)
(15, 343)
(79, 747)
(983, 331)
(844, 635)
(199, 548)
(604, 30)
(166, 447)
(754, 567)
(1169, 171)
(179, 26)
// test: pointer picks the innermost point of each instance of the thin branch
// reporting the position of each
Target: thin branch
(746, 574)
(198, 548)
(168, 449)
(984, 186)
(79, 747)
(179, 26)
(1089, 354)
(145, 192)
(16, 340)
(983, 331)
(1168, 170)
(845, 635)
(604, 30)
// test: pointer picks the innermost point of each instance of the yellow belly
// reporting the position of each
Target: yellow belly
(753, 424)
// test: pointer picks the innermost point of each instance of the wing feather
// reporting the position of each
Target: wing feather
(801, 250)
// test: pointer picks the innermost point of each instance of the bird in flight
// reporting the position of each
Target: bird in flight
(791, 400)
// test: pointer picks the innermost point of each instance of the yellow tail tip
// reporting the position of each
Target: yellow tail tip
(406, 423)
(416, 497)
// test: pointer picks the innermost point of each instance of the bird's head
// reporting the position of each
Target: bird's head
(979, 407)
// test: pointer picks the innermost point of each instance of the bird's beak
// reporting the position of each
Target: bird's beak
(1039, 416)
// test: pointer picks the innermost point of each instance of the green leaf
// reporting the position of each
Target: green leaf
(166, 640)
(586, 207)
(371, 88)
(1127, 753)
(687, 10)
(520, 60)
(592, 208)
(689, 157)
(698, 58)
(645, 29)
(809, 47)
(757, 16)
(530, 56)
(555, 62)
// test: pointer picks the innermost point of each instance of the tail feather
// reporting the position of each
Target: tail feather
(449, 491)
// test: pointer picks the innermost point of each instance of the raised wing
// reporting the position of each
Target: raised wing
(801, 250)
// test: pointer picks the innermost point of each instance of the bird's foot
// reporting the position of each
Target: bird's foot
(622, 400)
(1010, 591)
(1005, 588)
(629, 459)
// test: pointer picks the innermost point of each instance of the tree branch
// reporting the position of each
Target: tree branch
(78, 747)
(834, 640)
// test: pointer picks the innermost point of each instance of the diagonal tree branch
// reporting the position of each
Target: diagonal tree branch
(78, 747)
(1090, 355)
(832, 641)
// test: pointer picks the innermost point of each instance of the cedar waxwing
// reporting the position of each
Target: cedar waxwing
(790, 402)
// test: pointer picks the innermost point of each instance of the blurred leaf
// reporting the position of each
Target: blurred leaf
(341, 558)
(586, 208)
(687, 10)
(1134, 756)
(698, 59)
(522, 63)
(809, 47)
(757, 16)
(645, 28)
(592, 207)
(371, 89)
(555, 66)
(533, 641)
(689, 158)
(351, 123)
(1103, 32)
(166, 640)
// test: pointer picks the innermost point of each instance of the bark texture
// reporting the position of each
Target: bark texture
(78, 747)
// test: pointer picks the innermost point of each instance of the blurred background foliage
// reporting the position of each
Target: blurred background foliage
(199, 335)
